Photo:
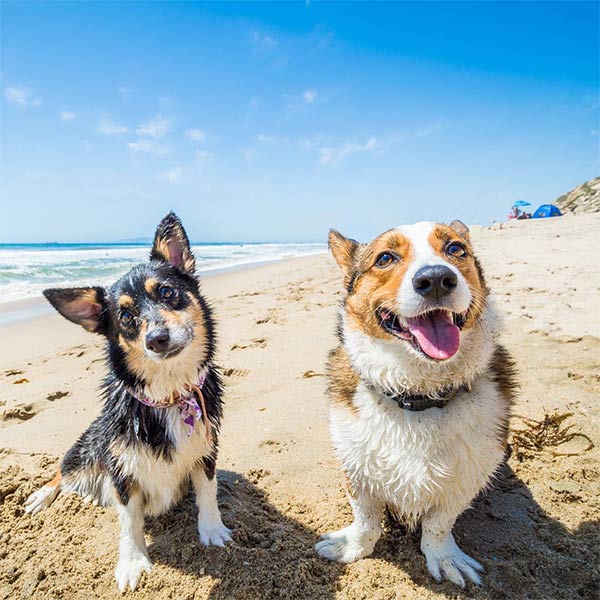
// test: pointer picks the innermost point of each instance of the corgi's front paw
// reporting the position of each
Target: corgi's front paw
(215, 534)
(41, 499)
(347, 545)
(129, 570)
(445, 560)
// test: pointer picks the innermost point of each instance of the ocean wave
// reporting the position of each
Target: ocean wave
(26, 270)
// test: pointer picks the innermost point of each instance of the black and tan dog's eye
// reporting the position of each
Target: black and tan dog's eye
(456, 249)
(385, 259)
(166, 292)
(126, 318)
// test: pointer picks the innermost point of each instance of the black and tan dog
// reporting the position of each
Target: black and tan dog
(162, 399)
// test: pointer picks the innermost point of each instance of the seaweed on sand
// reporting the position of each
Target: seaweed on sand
(549, 432)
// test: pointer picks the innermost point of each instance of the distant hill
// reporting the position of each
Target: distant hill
(585, 198)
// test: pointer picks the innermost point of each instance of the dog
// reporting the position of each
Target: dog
(162, 410)
(420, 390)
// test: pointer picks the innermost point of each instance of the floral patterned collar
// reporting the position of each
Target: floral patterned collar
(191, 405)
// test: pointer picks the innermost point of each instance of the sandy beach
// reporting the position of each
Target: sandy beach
(536, 531)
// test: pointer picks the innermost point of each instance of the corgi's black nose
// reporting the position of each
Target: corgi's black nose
(435, 281)
(157, 340)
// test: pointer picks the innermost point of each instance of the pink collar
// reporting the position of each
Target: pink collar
(190, 411)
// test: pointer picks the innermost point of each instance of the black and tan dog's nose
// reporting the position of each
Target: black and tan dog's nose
(435, 281)
(157, 340)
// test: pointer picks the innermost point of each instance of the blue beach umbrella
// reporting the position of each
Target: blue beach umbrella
(520, 203)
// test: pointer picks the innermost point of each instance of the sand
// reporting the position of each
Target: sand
(536, 530)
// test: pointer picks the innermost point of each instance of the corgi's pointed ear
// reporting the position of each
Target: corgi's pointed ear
(344, 251)
(85, 306)
(171, 245)
(460, 228)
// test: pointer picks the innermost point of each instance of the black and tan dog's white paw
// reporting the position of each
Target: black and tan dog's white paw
(129, 570)
(41, 499)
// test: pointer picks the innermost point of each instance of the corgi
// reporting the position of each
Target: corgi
(420, 390)
(160, 421)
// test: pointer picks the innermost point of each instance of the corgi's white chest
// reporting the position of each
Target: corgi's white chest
(411, 461)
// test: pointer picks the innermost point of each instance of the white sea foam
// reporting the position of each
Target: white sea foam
(26, 270)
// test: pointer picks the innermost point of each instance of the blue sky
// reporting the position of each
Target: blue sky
(278, 121)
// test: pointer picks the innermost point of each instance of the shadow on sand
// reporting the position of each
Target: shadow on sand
(526, 554)
(271, 556)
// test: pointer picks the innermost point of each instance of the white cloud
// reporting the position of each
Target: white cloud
(316, 141)
(109, 127)
(309, 96)
(174, 175)
(148, 147)
(262, 41)
(429, 129)
(335, 154)
(332, 152)
(196, 135)
(296, 104)
(264, 138)
(383, 145)
(21, 97)
(67, 115)
(124, 91)
(204, 155)
(156, 128)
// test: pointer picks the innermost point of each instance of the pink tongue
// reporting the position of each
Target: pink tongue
(437, 335)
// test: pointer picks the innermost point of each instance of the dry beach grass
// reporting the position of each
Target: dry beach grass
(537, 530)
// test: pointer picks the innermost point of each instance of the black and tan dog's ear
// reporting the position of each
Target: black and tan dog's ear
(84, 306)
(344, 251)
(460, 228)
(171, 245)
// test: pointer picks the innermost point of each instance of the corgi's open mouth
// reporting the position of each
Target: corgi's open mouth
(435, 333)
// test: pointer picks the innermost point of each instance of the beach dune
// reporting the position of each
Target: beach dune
(536, 530)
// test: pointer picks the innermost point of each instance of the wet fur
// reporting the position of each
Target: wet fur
(423, 466)
(137, 457)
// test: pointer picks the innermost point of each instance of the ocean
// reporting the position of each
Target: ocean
(27, 269)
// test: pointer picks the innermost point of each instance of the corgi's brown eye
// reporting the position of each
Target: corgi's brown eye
(126, 317)
(166, 292)
(385, 259)
(456, 249)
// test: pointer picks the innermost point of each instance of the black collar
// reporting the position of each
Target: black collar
(419, 402)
